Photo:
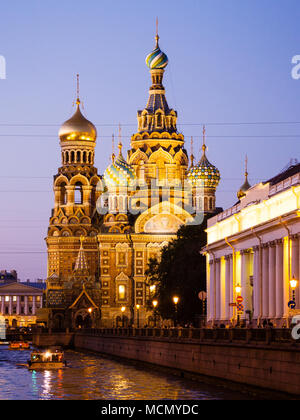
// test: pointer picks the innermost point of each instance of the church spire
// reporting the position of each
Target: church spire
(81, 263)
(245, 187)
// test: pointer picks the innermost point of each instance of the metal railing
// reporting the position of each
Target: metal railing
(234, 335)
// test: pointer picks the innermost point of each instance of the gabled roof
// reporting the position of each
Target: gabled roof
(83, 293)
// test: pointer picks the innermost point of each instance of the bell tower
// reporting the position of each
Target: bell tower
(75, 196)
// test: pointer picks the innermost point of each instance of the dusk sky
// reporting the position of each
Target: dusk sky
(229, 67)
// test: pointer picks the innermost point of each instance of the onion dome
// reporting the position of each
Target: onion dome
(157, 59)
(119, 173)
(204, 174)
(78, 127)
(245, 187)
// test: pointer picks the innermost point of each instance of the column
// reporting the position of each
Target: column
(18, 305)
(33, 305)
(227, 288)
(218, 289)
(256, 283)
(211, 292)
(279, 279)
(26, 306)
(231, 286)
(10, 310)
(245, 281)
(265, 281)
(2, 304)
(272, 280)
(295, 265)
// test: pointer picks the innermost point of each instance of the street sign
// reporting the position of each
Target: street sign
(202, 295)
(292, 304)
(239, 299)
(232, 304)
(240, 307)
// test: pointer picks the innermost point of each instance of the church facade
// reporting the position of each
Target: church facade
(104, 228)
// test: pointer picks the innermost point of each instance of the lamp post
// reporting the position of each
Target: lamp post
(138, 315)
(293, 285)
(238, 290)
(176, 300)
(123, 310)
(154, 303)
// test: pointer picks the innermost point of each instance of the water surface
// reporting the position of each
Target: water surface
(90, 376)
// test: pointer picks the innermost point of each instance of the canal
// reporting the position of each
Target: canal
(90, 377)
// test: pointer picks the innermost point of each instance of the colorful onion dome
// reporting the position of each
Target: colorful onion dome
(204, 174)
(78, 127)
(157, 59)
(119, 173)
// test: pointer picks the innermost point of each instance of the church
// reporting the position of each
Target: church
(104, 228)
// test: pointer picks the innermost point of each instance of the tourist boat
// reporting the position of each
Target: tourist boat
(49, 359)
(19, 345)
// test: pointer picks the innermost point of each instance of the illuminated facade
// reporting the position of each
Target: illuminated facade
(253, 252)
(19, 302)
(124, 217)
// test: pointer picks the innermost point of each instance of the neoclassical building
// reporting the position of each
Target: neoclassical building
(253, 254)
(104, 228)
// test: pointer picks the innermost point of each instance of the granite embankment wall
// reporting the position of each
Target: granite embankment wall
(269, 359)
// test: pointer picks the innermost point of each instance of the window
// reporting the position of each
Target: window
(121, 292)
(78, 193)
(6, 298)
(14, 298)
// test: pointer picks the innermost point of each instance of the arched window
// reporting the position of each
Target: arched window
(63, 194)
(159, 120)
(210, 203)
(72, 156)
(78, 197)
(78, 160)
(84, 157)
(205, 203)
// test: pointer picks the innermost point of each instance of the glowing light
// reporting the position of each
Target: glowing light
(175, 299)
(155, 303)
(238, 289)
(293, 283)
(123, 309)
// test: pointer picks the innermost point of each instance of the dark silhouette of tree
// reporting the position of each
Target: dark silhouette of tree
(181, 271)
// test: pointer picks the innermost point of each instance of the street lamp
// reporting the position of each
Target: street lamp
(293, 284)
(123, 310)
(238, 289)
(138, 314)
(152, 288)
(154, 303)
(175, 300)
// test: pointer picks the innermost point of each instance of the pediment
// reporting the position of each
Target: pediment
(18, 288)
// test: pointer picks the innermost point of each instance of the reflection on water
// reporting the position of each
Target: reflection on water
(90, 376)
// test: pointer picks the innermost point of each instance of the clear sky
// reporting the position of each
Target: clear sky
(229, 62)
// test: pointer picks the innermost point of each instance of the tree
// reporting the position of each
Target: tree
(181, 271)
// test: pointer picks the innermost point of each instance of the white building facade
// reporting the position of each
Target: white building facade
(19, 303)
(253, 256)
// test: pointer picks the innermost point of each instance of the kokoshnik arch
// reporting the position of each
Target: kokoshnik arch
(97, 259)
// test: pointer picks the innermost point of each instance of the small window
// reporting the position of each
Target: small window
(121, 292)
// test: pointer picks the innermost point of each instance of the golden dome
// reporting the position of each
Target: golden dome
(78, 128)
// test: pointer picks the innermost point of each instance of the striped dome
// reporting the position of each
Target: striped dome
(204, 174)
(157, 59)
(119, 173)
